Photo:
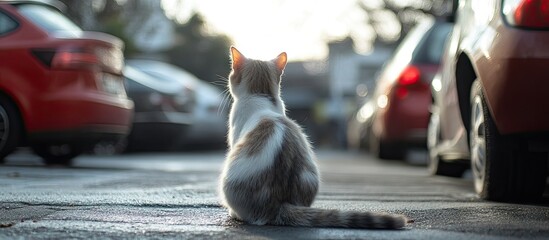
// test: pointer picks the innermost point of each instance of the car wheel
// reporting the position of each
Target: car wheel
(436, 165)
(503, 168)
(11, 129)
(384, 150)
(57, 154)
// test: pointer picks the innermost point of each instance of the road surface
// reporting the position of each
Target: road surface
(173, 195)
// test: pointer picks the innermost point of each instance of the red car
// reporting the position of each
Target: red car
(61, 89)
(397, 114)
(490, 106)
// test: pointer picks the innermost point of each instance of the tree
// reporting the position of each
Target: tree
(406, 12)
(202, 54)
(101, 15)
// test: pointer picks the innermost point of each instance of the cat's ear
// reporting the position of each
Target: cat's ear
(281, 61)
(237, 58)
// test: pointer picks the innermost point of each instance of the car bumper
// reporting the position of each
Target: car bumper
(156, 136)
(85, 136)
(158, 130)
(406, 120)
(211, 129)
(79, 112)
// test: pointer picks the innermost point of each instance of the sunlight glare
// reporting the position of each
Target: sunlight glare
(263, 29)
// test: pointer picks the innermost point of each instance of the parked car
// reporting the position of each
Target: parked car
(163, 111)
(396, 114)
(61, 88)
(490, 107)
(209, 118)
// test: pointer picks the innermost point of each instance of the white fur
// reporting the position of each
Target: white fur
(246, 113)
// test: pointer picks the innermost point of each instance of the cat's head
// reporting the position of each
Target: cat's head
(255, 77)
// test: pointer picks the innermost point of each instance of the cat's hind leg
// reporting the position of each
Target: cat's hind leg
(307, 189)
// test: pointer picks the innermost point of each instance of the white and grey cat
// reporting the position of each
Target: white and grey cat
(270, 175)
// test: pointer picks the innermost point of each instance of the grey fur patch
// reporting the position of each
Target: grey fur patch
(259, 137)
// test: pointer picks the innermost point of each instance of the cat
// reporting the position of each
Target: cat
(270, 176)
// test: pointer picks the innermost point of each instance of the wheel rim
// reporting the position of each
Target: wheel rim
(478, 144)
(4, 127)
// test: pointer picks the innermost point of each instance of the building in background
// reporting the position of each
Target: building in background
(321, 95)
(350, 77)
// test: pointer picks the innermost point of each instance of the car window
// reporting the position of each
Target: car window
(7, 24)
(432, 46)
(48, 18)
(406, 52)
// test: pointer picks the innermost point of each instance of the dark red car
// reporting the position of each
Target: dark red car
(61, 88)
(397, 114)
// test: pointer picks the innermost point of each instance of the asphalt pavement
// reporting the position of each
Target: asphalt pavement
(174, 196)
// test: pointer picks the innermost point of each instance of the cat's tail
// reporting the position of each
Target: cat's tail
(301, 216)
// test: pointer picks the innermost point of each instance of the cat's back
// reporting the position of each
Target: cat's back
(286, 131)
(270, 145)
(270, 137)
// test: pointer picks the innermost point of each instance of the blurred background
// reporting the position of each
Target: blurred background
(387, 76)
(336, 50)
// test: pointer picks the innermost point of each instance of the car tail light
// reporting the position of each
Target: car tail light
(71, 58)
(65, 58)
(182, 102)
(74, 59)
(410, 76)
(527, 13)
(408, 80)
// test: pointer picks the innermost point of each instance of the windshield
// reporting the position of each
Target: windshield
(48, 18)
(432, 46)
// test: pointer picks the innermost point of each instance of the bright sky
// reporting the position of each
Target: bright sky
(262, 29)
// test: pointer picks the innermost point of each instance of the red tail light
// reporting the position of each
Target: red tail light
(81, 58)
(527, 13)
(66, 58)
(72, 59)
(410, 76)
(409, 80)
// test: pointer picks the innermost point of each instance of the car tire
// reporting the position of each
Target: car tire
(503, 168)
(436, 165)
(57, 154)
(11, 128)
(384, 150)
